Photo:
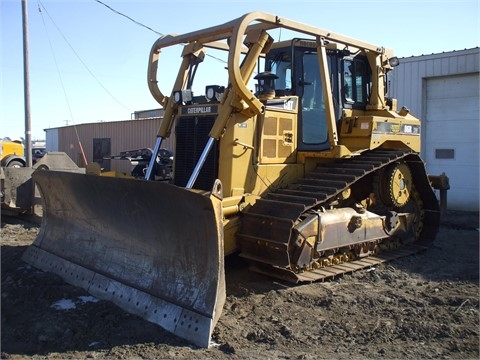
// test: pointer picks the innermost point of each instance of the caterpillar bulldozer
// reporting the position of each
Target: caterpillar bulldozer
(313, 174)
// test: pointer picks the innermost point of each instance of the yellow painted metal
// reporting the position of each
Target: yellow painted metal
(400, 184)
(327, 93)
(12, 154)
(167, 102)
(360, 130)
(231, 100)
(278, 137)
(11, 148)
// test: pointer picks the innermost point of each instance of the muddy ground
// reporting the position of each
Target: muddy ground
(425, 306)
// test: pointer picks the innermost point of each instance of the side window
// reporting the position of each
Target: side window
(355, 82)
(347, 81)
(281, 65)
(284, 72)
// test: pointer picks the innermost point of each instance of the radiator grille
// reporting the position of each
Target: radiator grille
(191, 134)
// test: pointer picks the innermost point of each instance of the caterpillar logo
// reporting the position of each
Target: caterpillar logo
(199, 110)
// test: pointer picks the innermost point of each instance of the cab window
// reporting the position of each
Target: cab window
(281, 65)
(355, 82)
(314, 124)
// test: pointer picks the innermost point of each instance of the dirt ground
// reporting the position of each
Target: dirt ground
(425, 306)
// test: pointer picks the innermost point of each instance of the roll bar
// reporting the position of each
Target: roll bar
(249, 30)
(234, 31)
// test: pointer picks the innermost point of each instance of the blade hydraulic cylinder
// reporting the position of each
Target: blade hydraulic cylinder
(151, 164)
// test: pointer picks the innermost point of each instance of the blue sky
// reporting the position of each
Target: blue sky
(115, 50)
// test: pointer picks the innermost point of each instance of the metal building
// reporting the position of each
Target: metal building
(105, 138)
(443, 90)
(145, 114)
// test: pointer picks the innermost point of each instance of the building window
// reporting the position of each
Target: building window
(444, 153)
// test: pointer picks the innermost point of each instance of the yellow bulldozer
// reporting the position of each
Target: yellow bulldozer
(312, 174)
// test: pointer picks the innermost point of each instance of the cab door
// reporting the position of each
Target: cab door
(313, 130)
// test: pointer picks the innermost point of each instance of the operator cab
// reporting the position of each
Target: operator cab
(296, 66)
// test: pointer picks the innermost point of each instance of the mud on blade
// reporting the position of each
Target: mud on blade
(153, 249)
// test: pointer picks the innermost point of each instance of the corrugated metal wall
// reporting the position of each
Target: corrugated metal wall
(443, 91)
(51, 142)
(123, 135)
(145, 114)
(407, 80)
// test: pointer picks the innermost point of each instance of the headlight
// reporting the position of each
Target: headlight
(214, 92)
(394, 61)
(177, 97)
(182, 96)
(210, 93)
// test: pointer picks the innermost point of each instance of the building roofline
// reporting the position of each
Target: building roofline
(99, 122)
(470, 51)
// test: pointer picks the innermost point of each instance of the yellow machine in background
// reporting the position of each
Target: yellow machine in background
(314, 174)
(12, 154)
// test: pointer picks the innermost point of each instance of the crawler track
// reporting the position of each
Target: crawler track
(266, 233)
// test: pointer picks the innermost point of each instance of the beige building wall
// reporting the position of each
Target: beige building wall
(121, 136)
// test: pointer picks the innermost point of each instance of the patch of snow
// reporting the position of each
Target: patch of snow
(63, 304)
(213, 343)
(26, 266)
(69, 304)
(86, 299)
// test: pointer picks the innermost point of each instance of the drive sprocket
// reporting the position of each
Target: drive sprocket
(395, 186)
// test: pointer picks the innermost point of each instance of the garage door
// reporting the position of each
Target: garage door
(452, 136)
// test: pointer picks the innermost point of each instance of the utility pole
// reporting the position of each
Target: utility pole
(26, 86)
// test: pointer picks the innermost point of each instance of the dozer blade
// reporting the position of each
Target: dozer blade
(154, 249)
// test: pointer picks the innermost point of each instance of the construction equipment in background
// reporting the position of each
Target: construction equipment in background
(19, 194)
(140, 158)
(12, 154)
(315, 174)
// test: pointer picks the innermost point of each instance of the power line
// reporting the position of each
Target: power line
(128, 17)
(55, 61)
(61, 82)
(80, 59)
(147, 27)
